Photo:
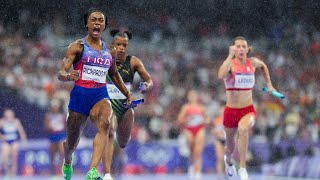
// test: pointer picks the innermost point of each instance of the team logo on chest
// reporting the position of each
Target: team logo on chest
(96, 68)
(99, 61)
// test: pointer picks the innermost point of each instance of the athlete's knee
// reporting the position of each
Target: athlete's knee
(197, 153)
(103, 127)
(94, 115)
(243, 130)
(102, 120)
(122, 142)
(122, 146)
(229, 150)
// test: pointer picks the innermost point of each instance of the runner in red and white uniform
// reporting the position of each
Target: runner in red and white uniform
(193, 118)
(237, 71)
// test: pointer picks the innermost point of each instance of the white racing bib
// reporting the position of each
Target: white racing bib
(56, 124)
(195, 120)
(10, 132)
(244, 81)
(94, 73)
(115, 93)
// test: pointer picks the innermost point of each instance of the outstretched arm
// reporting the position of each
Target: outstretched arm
(257, 63)
(143, 73)
(73, 50)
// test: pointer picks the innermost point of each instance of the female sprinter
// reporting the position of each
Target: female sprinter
(193, 118)
(237, 71)
(91, 61)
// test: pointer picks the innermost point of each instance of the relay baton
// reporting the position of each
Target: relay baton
(274, 93)
(135, 103)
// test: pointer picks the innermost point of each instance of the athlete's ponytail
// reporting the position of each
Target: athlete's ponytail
(114, 32)
(129, 34)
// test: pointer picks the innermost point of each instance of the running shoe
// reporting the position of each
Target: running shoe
(230, 169)
(67, 171)
(243, 174)
(107, 177)
(92, 174)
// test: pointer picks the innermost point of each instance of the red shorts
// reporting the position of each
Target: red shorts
(194, 129)
(232, 116)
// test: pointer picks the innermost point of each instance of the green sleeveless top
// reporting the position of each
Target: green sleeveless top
(127, 75)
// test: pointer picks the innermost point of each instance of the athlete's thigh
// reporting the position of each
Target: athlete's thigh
(53, 147)
(114, 123)
(101, 111)
(126, 122)
(14, 149)
(189, 136)
(75, 121)
(230, 132)
(247, 121)
(5, 149)
(60, 147)
(199, 140)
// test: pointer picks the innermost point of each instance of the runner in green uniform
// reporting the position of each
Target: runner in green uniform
(124, 117)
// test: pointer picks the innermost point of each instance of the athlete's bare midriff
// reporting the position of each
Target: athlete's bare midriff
(239, 99)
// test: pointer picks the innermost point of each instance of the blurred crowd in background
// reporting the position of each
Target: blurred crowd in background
(182, 44)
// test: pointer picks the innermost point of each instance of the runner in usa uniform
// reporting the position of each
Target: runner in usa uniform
(11, 131)
(55, 125)
(91, 61)
(237, 71)
(124, 117)
(192, 118)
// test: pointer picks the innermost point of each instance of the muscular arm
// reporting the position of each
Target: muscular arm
(138, 66)
(225, 68)
(117, 80)
(257, 63)
(73, 50)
